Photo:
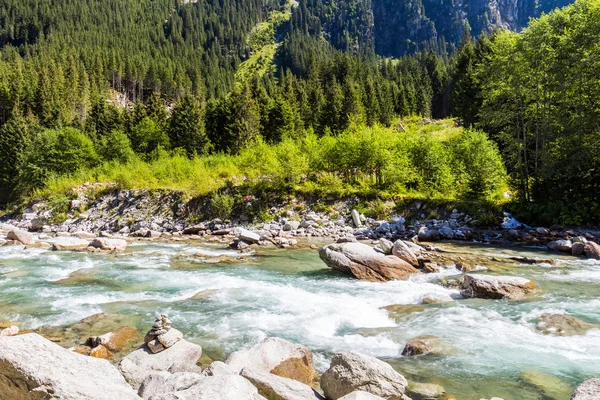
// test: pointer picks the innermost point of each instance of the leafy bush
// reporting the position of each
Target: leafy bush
(221, 206)
(116, 147)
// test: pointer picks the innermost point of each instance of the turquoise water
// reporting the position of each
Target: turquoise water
(494, 346)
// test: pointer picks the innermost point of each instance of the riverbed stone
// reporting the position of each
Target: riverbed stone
(277, 356)
(428, 234)
(181, 357)
(218, 368)
(226, 387)
(274, 387)
(404, 252)
(109, 244)
(360, 395)
(436, 299)
(116, 340)
(426, 344)
(592, 250)
(563, 325)
(578, 249)
(561, 245)
(20, 236)
(588, 390)
(351, 371)
(101, 352)
(161, 383)
(70, 243)
(363, 262)
(496, 287)
(425, 391)
(386, 246)
(550, 386)
(32, 367)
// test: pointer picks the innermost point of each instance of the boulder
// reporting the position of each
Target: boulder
(562, 245)
(426, 344)
(363, 262)
(360, 395)
(496, 287)
(356, 219)
(70, 243)
(274, 387)
(386, 246)
(428, 235)
(9, 331)
(246, 235)
(425, 391)
(351, 371)
(181, 357)
(32, 367)
(277, 356)
(218, 368)
(578, 249)
(162, 382)
(592, 250)
(588, 390)
(109, 244)
(404, 252)
(550, 386)
(203, 294)
(227, 387)
(20, 236)
(563, 325)
(115, 341)
(291, 226)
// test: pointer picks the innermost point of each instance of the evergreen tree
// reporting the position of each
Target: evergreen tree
(186, 127)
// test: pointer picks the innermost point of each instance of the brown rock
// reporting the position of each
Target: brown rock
(404, 252)
(101, 352)
(115, 341)
(592, 250)
(82, 349)
(423, 345)
(563, 325)
(20, 236)
(496, 287)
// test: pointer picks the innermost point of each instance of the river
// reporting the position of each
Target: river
(494, 347)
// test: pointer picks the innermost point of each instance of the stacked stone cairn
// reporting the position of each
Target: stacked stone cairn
(162, 335)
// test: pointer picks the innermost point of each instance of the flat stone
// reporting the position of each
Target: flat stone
(170, 338)
(70, 243)
(20, 236)
(563, 325)
(109, 244)
(496, 287)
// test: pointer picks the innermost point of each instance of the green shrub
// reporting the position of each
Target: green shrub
(116, 147)
(221, 206)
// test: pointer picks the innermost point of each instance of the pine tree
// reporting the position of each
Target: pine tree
(186, 127)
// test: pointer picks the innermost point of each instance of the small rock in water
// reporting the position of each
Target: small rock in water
(563, 325)
(425, 391)
(496, 287)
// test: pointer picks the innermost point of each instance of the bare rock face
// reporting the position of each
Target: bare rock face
(496, 287)
(70, 243)
(109, 244)
(404, 252)
(363, 262)
(277, 356)
(351, 371)
(162, 382)
(32, 367)
(563, 325)
(227, 387)
(181, 357)
(588, 390)
(274, 387)
(20, 236)
(592, 250)
(218, 368)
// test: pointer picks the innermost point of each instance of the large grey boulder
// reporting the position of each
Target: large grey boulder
(70, 243)
(162, 382)
(274, 387)
(561, 245)
(364, 262)
(496, 287)
(360, 395)
(277, 356)
(181, 357)
(225, 387)
(32, 367)
(351, 371)
(403, 251)
(20, 236)
(588, 390)
(428, 234)
(109, 244)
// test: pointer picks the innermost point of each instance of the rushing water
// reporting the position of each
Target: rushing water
(495, 348)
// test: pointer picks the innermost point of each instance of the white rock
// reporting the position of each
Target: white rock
(170, 338)
(246, 235)
(274, 387)
(20, 236)
(162, 382)
(360, 395)
(181, 357)
(351, 371)
(69, 243)
(10, 331)
(356, 219)
(109, 244)
(496, 287)
(223, 387)
(386, 246)
(588, 390)
(403, 251)
(32, 367)
(218, 368)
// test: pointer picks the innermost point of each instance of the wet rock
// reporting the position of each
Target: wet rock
(592, 250)
(425, 391)
(181, 357)
(528, 260)
(403, 251)
(101, 352)
(550, 386)
(70, 243)
(430, 267)
(20, 236)
(563, 325)
(426, 344)
(115, 341)
(32, 367)
(562, 245)
(109, 244)
(578, 249)
(436, 299)
(227, 387)
(81, 349)
(428, 234)
(496, 287)
(463, 266)
(360, 395)
(400, 311)
(162, 383)
(218, 368)
(203, 294)
(351, 371)
(363, 262)
(588, 390)
(10, 331)
(274, 387)
(277, 356)
(39, 245)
